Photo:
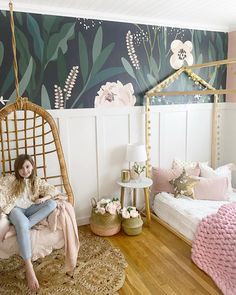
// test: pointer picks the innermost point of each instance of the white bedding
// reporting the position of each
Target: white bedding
(184, 213)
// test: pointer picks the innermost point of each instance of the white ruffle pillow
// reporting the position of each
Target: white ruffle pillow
(179, 164)
(222, 171)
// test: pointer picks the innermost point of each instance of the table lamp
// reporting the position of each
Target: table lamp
(136, 153)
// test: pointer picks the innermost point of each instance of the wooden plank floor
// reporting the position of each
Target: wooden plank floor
(159, 263)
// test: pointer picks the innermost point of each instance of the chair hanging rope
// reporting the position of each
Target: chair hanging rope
(15, 65)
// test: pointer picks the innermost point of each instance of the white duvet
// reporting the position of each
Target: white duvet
(184, 213)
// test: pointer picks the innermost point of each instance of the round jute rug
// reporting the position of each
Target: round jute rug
(100, 270)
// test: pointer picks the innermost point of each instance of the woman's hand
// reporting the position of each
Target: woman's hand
(42, 200)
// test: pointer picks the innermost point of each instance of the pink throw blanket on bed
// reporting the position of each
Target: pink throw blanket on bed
(214, 247)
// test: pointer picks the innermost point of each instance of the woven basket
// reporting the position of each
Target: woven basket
(104, 224)
(132, 226)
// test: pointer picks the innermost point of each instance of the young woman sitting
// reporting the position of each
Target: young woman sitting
(26, 199)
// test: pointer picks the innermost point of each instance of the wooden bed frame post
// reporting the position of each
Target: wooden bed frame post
(148, 135)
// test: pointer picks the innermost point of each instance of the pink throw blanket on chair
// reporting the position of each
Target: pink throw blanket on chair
(64, 216)
(214, 247)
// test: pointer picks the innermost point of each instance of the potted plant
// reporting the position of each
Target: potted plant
(132, 222)
(137, 170)
(105, 219)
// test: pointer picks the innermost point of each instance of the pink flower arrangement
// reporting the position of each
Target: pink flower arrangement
(111, 206)
(129, 212)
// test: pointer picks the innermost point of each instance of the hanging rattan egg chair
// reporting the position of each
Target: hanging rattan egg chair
(28, 128)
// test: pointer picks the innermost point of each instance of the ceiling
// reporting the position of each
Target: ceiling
(213, 15)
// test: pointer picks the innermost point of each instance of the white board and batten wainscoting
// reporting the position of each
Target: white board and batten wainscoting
(94, 143)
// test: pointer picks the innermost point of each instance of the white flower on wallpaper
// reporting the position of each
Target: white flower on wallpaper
(3, 101)
(181, 53)
(115, 94)
(62, 95)
(131, 50)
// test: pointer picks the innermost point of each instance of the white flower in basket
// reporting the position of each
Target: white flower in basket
(132, 222)
(129, 212)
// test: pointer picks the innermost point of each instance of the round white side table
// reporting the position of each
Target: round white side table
(143, 183)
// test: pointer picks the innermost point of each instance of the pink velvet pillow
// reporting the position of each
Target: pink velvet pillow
(161, 178)
(213, 189)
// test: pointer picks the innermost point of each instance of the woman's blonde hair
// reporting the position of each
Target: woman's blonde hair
(19, 162)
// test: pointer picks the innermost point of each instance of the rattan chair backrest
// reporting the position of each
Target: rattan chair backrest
(26, 128)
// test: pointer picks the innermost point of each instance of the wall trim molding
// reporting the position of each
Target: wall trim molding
(94, 142)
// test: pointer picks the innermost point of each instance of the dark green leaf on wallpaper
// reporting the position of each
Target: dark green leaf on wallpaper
(1, 52)
(23, 49)
(153, 67)
(196, 51)
(199, 36)
(102, 58)
(145, 70)
(8, 80)
(128, 67)
(23, 83)
(61, 69)
(104, 76)
(142, 82)
(83, 58)
(211, 52)
(45, 101)
(151, 80)
(33, 84)
(219, 46)
(18, 17)
(199, 60)
(48, 22)
(34, 30)
(59, 40)
(97, 44)
(165, 37)
(213, 76)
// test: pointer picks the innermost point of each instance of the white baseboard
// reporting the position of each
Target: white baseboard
(83, 220)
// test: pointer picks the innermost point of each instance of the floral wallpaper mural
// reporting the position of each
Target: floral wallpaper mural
(84, 63)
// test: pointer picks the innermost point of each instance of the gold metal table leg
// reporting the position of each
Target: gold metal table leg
(122, 193)
(148, 214)
(134, 197)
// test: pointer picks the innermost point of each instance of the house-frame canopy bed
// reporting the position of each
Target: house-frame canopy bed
(159, 90)
(208, 224)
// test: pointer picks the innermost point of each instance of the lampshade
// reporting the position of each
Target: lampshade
(136, 153)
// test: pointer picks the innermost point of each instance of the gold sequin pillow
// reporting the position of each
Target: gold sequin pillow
(183, 185)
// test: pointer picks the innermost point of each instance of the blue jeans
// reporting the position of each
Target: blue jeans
(24, 219)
